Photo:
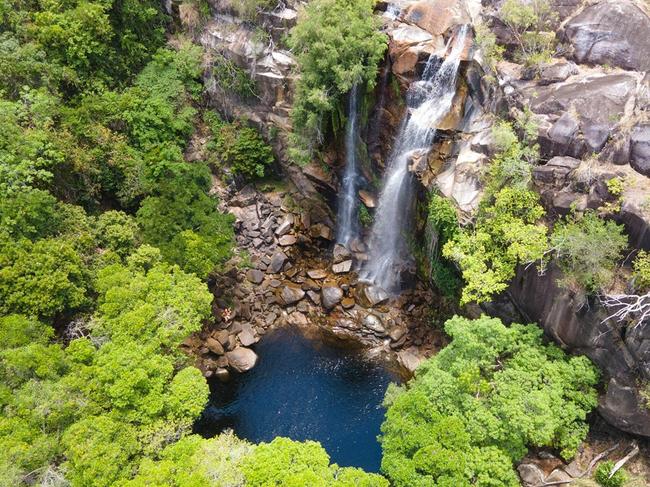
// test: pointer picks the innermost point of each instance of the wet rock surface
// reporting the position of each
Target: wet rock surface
(307, 283)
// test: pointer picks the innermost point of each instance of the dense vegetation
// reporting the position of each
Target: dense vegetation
(477, 406)
(338, 45)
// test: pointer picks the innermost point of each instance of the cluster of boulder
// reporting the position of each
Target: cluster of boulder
(298, 277)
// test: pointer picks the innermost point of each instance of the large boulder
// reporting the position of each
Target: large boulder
(437, 16)
(640, 148)
(614, 32)
(578, 116)
(331, 295)
(242, 359)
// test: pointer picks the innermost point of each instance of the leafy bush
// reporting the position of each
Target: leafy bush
(641, 274)
(240, 148)
(233, 79)
(506, 233)
(287, 462)
(487, 43)
(443, 220)
(531, 25)
(587, 250)
(183, 221)
(602, 475)
(477, 406)
(337, 44)
(365, 218)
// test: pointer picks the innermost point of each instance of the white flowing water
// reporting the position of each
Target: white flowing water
(348, 206)
(429, 100)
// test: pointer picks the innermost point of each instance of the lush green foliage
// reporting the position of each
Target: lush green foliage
(587, 250)
(602, 475)
(102, 407)
(183, 221)
(338, 45)
(233, 79)
(506, 233)
(443, 221)
(641, 274)
(531, 25)
(486, 41)
(477, 406)
(239, 148)
(291, 463)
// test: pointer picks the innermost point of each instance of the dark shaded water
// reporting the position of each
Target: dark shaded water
(305, 390)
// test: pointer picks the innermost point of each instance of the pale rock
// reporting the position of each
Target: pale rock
(342, 267)
(242, 359)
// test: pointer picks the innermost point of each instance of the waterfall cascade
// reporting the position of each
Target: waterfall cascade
(347, 217)
(429, 100)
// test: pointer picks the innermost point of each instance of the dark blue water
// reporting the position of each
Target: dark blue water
(305, 390)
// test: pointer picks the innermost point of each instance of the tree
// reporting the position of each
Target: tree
(292, 463)
(41, 279)
(477, 406)
(338, 45)
(531, 25)
(507, 233)
(587, 249)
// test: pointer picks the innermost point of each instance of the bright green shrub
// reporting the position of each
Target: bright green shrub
(477, 406)
(587, 250)
(531, 24)
(41, 279)
(292, 463)
(602, 475)
(641, 274)
(117, 231)
(506, 233)
(233, 79)
(338, 44)
(240, 148)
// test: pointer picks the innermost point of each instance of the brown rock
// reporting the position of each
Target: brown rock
(317, 273)
(287, 240)
(291, 294)
(242, 359)
(214, 346)
(347, 303)
(255, 276)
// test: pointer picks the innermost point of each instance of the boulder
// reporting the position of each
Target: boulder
(577, 117)
(278, 260)
(287, 240)
(214, 346)
(556, 73)
(291, 294)
(285, 226)
(297, 318)
(320, 230)
(531, 475)
(436, 16)
(255, 276)
(367, 198)
(242, 359)
(331, 295)
(317, 273)
(314, 296)
(374, 324)
(222, 374)
(640, 149)
(614, 32)
(247, 336)
(342, 267)
(340, 254)
(409, 359)
(374, 295)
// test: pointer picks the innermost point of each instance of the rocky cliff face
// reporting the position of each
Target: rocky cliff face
(592, 105)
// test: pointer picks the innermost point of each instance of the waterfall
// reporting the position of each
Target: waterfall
(347, 217)
(428, 100)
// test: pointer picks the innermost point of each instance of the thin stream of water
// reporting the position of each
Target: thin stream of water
(429, 100)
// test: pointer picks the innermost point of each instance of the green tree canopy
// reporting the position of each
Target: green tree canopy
(477, 406)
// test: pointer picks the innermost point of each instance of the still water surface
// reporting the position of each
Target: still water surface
(305, 390)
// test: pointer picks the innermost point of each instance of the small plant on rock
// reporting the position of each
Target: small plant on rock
(530, 23)
(603, 477)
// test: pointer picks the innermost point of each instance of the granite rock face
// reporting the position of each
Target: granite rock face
(614, 33)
